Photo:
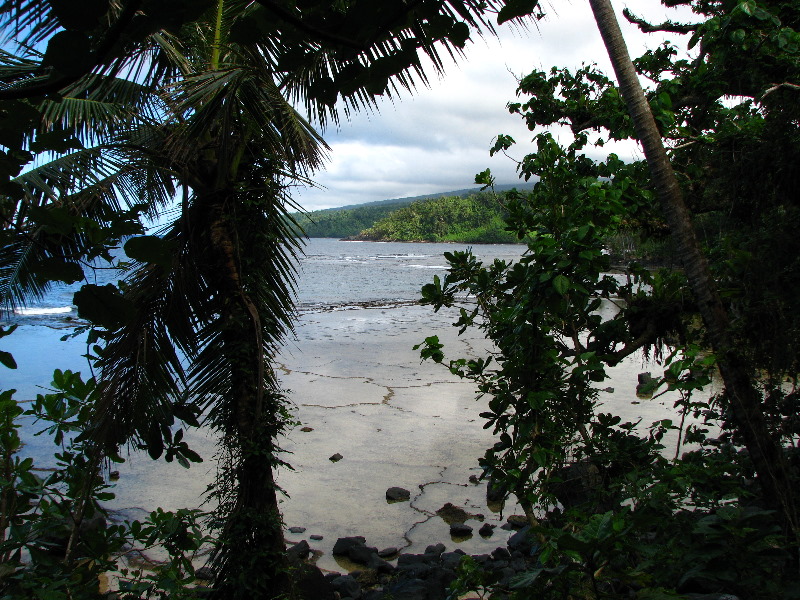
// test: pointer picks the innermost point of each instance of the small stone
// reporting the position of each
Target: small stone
(362, 555)
(306, 429)
(501, 554)
(204, 574)
(517, 521)
(411, 559)
(343, 545)
(495, 492)
(316, 537)
(486, 530)
(436, 549)
(336, 457)
(521, 541)
(451, 560)
(646, 386)
(347, 586)
(397, 494)
(407, 589)
(453, 514)
(387, 552)
(113, 475)
(297, 529)
(609, 390)
(460, 530)
(298, 551)
(474, 479)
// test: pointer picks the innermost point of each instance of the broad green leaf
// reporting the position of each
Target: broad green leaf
(68, 53)
(459, 34)
(9, 331)
(516, 8)
(56, 141)
(748, 7)
(79, 16)
(561, 284)
(150, 249)
(7, 360)
(570, 542)
(57, 269)
(54, 219)
(103, 305)
(324, 90)
(17, 118)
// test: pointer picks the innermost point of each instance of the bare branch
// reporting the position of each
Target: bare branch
(777, 86)
(647, 336)
(665, 26)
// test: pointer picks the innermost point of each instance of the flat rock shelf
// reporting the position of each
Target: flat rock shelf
(361, 394)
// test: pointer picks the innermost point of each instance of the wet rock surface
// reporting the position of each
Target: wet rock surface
(425, 576)
(360, 391)
(397, 494)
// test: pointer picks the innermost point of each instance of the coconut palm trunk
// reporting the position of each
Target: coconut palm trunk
(766, 454)
(250, 558)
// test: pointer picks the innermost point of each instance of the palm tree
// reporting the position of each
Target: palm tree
(207, 314)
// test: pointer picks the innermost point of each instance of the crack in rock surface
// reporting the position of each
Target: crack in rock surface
(395, 422)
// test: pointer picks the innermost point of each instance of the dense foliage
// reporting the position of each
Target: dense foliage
(38, 524)
(349, 221)
(208, 112)
(614, 512)
(342, 222)
(474, 219)
(109, 109)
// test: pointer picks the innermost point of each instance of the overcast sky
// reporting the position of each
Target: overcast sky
(437, 139)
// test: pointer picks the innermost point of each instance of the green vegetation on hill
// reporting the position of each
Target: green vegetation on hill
(350, 221)
(343, 223)
(478, 218)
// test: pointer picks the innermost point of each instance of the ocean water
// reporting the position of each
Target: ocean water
(332, 275)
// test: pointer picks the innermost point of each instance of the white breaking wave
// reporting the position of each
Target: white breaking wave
(58, 310)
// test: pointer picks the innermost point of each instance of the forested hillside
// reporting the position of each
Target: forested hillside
(343, 222)
(350, 221)
(476, 219)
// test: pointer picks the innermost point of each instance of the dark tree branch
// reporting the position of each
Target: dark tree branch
(665, 26)
(99, 55)
(648, 336)
(785, 85)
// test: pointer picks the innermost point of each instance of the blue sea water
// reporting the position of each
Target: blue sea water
(331, 275)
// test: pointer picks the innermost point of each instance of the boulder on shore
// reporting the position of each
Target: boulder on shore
(460, 530)
(397, 494)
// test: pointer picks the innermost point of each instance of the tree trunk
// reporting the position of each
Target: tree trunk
(250, 559)
(765, 452)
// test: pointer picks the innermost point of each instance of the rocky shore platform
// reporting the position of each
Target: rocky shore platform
(386, 574)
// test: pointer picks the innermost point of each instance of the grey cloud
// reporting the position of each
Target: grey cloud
(436, 139)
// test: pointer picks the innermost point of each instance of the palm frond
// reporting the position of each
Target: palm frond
(28, 21)
(93, 184)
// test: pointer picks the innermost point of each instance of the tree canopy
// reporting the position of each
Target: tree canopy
(599, 490)
(127, 104)
(108, 109)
